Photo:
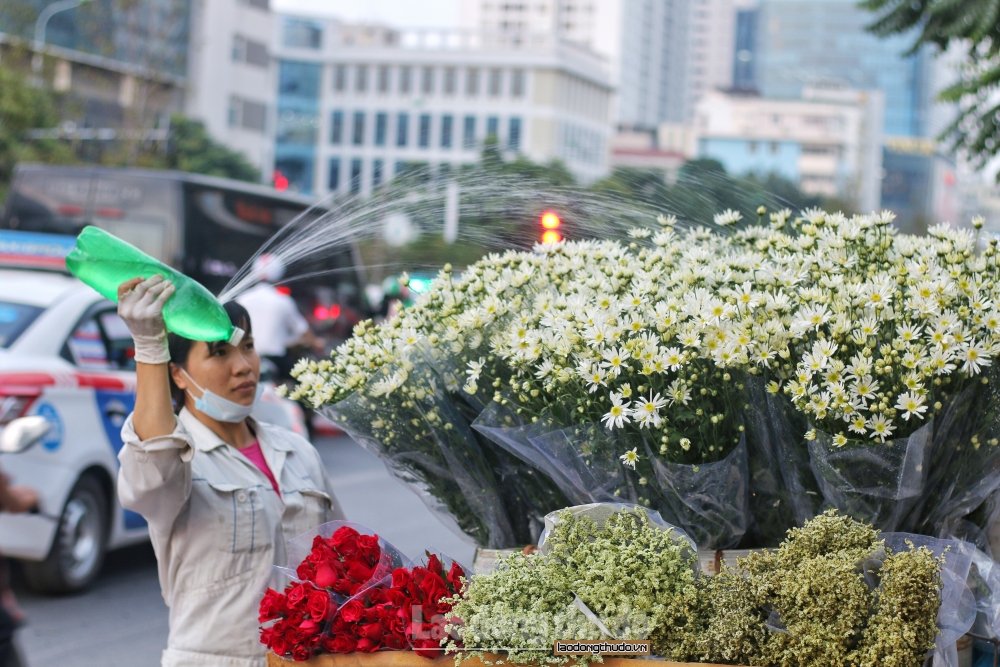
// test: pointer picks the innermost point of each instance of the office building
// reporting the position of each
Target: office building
(663, 54)
(828, 142)
(358, 104)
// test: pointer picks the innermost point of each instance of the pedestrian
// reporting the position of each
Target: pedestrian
(280, 325)
(221, 492)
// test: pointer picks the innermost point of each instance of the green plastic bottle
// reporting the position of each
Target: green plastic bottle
(103, 261)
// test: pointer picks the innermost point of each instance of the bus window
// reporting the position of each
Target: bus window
(50, 200)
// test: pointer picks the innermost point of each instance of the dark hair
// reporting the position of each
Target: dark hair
(180, 347)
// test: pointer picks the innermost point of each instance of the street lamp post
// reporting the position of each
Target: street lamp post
(41, 23)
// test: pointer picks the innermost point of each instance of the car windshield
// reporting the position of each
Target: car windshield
(14, 319)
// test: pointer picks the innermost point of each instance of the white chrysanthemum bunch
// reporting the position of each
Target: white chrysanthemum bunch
(880, 327)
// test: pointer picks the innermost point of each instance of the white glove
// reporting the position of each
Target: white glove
(142, 309)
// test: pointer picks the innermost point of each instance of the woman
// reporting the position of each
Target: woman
(221, 492)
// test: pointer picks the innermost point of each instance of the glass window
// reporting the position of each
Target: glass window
(256, 54)
(496, 82)
(334, 182)
(376, 173)
(239, 48)
(118, 339)
(450, 77)
(424, 140)
(514, 134)
(492, 127)
(235, 109)
(299, 79)
(446, 126)
(337, 128)
(384, 76)
(381, 128)
(339, 78)
(254, 116)
(356, 175)
(358, 137)
(298, 171)
(404, 79)
(472, 82)
(469, 132)
(402, 129)
(361, 79)
(302, 33)
(517, 83)
(297, 127)
(14, 319)
(427, 81)
(86, 346)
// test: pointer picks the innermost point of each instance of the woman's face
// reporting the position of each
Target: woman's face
(227, 370)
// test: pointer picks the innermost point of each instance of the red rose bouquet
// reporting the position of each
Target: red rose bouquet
(349, 598)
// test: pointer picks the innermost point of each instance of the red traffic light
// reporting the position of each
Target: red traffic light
(550, 220)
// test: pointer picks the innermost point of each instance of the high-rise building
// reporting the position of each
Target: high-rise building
(664, 54)
(359, 104)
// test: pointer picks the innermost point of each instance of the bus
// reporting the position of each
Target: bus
(204, 226)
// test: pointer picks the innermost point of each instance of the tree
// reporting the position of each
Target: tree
(973, 25)
(22, 109)
(190, 148)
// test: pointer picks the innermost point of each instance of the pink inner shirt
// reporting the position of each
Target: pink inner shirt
(257, 458)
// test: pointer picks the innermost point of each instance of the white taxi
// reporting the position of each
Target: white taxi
(65, 355)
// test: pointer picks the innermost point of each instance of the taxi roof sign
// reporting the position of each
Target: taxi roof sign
(33, 250)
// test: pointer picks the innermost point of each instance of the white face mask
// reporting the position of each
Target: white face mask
(219, 408)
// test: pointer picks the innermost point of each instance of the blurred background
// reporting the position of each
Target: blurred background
(424, 133)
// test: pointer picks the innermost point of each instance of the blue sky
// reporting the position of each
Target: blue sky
(404, 13)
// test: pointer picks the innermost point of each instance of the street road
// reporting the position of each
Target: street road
(122, 620)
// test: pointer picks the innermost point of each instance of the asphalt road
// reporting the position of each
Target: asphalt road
(122, 620)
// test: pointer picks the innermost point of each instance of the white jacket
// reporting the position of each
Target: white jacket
(217, 527)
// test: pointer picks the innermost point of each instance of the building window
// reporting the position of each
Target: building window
(337, 128)
(381, 128)
(259, 4)
(402, 129)
(404, 80)
(446, 125)
(340, 78)
(514, 134)
(492, 127)
(384, 75)
(247, 115)
(424, 140)
(376, 173)
(427, 81)
(361, 79)
(302, 33)
(250, 52)
(358, 137)
(517, 83)
(334, 182)
(450, 76)
(356, 175)
(472, 82)
(469, 132)
(496, 82)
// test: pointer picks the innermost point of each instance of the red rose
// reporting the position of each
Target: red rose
(434, 565)
(306, 571)
(345, 541)
(359, 572)
(342, 644)
(301, 654)
(325, 576)
(366, 646)
(372, 631)
(298, 594)
(394, 641)
(369, 548)
(352, 611)
(454, 576)
(308, 628)
(279, 644)
(433, 590)
(271, 606)
(371, 614)
(376, 595)
(265, 636)
(401, 577)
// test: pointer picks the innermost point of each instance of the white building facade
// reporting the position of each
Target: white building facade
(828, 143)
(663, 54)
(357, 105)
(231, 83)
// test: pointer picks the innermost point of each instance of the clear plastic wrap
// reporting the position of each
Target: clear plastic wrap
(405, 416)
(958, 604)
(783, 491)
(876, 483)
